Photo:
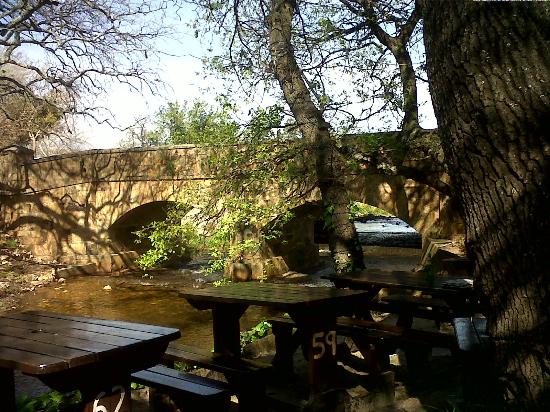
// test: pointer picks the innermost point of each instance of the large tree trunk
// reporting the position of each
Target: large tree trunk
(343, 241)
(489, 69)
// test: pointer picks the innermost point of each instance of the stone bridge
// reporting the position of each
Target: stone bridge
(83, 206)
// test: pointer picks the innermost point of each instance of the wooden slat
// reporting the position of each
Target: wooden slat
(54, 323)
(106, 322)
(201, 387)
(408, 300)
(206, 359)
(64, 331)
(269, 294)
(396, 279)
(73, 357)
(379, 331)
(70, 342)
(163, 370)
(29, 362)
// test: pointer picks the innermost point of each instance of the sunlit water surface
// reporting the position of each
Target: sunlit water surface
(132, 299)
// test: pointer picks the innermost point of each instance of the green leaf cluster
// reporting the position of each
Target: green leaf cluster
(168, 238)
(50, 402)
(358, 210)
(257, 332)
(198, 124)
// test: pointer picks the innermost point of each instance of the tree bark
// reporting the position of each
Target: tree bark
(489, 70)
(343, 241)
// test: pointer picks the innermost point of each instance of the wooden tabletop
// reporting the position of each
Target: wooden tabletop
(403, 280)
(281, 296)
(41, 343)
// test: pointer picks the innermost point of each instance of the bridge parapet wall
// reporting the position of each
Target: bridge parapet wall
(12, 168)
(147, 164)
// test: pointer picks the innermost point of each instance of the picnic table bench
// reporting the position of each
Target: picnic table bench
(374, 340)
(228, 365)
(189, 392)
(473, 341)
(443, 299)
(245, 377)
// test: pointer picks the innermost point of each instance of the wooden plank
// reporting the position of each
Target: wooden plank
(73, 357)
(198, 387)
(34, 327)
(278, 296)
(203, 358)
(410, 300)
(29, 362)
(107, 322)
(396, 279)
(163, 370)
(86, 345)
(53, 323)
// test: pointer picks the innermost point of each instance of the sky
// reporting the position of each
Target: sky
(182, 71)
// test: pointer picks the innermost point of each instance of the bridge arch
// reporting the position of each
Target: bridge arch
(122, 231)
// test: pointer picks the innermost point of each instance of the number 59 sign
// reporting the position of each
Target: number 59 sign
(321, 340)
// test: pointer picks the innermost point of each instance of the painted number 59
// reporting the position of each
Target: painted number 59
(320, 340)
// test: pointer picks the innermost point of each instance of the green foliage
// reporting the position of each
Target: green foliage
(170, 237)
(270, 162)
(184, 367)
(358, 210)
(50, 402)
(199, 124)
(226, 242)
(9, 244)
(327, 217)
(134, 386)
(222, 282)
(257, 332)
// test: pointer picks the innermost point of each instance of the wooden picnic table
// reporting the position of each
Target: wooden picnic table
(67, 352)
(313, 309)
(457, 292)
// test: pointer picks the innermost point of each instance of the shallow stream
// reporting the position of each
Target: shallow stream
(155, 300)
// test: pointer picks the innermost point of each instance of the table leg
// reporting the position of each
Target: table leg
(361, 309)
(226, 328)
(320, 349)
(7, 390)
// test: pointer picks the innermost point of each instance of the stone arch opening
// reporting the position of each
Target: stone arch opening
(375, 227)
(122, 230)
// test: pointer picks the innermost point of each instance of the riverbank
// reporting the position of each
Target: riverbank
(20, 273)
